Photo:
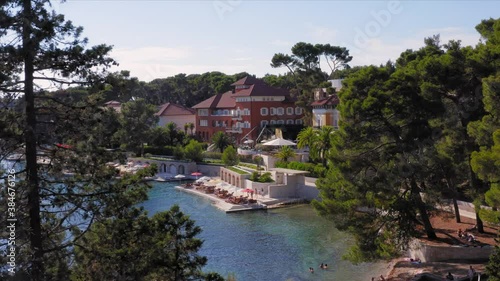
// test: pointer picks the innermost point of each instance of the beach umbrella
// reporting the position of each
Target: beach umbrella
(248, 190)
(196, 174)
(248, 142)
(179, 176)
(279, 142)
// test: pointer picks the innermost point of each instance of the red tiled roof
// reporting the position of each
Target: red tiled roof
(248, 80)
(256, 87)
(169, 109)
(113, 103)
(218, 101)
(261, 90)
(331, 100)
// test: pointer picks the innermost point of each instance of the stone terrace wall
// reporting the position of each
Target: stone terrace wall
(434, 253)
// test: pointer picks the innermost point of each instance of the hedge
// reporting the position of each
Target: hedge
(315, 170)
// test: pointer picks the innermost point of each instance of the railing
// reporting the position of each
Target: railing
(234, 130)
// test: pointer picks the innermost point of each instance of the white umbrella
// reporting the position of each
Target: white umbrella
(179, 176)
(279, 142)
(248, 142)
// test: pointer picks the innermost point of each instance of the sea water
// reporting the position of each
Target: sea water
(275, 245)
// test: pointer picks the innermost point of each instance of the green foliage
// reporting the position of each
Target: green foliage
(193, 151)
(230, 156)
(129, 237)
(379, 162)
(265, 177)
(212, 155)
(304, 66)
(212, 276)
(137, 118)
(165, 150)
(315, 170)
(239, 171)
(221, 141)
(254, 176)
(179, 153)
(285, 153)
(318, 141)
(493, 266)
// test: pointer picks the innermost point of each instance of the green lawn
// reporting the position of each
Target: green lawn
(236, 170)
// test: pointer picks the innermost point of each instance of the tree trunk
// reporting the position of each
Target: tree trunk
(457, 210)
(479, 223)
(451, 186)
(35, 231)
(429, 230)
(476, 185)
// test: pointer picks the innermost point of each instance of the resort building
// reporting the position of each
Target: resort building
(116, 105)
(245, 110)
(178, 114)
(324, 106)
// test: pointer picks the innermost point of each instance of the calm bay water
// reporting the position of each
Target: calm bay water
(275, 245)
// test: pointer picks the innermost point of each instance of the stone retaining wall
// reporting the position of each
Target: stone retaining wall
(434, 253)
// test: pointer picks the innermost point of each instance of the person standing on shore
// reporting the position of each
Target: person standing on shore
(471, 273)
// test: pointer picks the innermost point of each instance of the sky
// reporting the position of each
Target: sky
(158, 39)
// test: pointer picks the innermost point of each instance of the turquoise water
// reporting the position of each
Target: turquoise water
(274, 245)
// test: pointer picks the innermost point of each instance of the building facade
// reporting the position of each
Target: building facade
(178, 114)
(244, 111)
(324, 107)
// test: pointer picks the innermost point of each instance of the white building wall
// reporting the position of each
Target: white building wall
(179, 120)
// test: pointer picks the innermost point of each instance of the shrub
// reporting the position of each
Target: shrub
(315, 170)
(193, 151)
(162, 150)
(178, 153)
(230, 156)
(266, 177)
(254, 177)
(212, 155)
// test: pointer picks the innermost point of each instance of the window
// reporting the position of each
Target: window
(298, 122)
(246, 111)
(281, 122)
(280, 111)
(290, 121)
(226, 112)
(273, 122)
(273, 111)
(204, 123)
(263, 123)
(203, 112)
(246, 124)
(298, 111)
(263, 111)
(289, 110)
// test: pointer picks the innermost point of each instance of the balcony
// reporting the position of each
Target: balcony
(236, 117)
(233, 130)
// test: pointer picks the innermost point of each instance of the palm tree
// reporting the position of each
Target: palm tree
(324, 142)
(307, 138)
(285, 153)
(221, 141)
(191, 127)
(186, 127)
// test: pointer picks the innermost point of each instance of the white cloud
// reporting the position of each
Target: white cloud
(452, 33)
(279, 42)
(322, 34)
(243, 59)
(150, 54)
(377, 51)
